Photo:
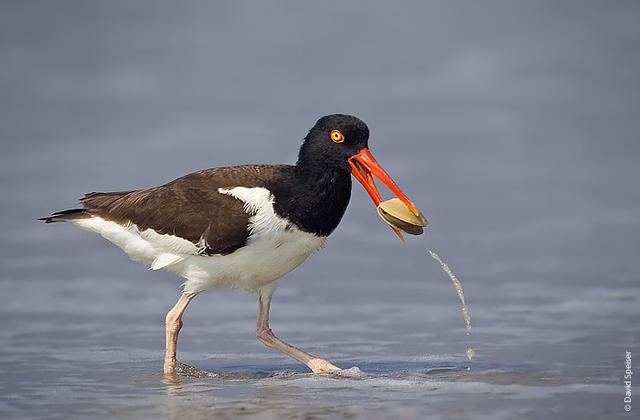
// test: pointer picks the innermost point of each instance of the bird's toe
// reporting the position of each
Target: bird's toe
(321, 366)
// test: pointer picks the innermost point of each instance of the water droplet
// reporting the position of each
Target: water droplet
(470, 353)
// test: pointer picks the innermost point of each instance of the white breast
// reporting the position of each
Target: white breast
(274, 247)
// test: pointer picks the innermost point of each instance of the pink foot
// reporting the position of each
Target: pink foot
(321, 365)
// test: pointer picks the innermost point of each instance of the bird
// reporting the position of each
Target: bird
(240, 226)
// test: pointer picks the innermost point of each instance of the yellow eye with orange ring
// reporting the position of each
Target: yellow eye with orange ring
(337, 136)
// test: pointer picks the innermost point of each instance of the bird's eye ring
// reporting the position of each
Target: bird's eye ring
(337, 136)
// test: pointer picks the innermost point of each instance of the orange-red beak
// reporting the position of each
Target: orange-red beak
(363, 166)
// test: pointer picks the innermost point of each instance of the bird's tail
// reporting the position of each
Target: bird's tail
(66, 215)
(95, 203)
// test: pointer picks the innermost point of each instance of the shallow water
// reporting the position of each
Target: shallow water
(513, 127)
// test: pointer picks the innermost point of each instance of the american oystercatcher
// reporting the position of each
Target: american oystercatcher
(241, 226)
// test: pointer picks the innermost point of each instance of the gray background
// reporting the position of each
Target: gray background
(513, 125)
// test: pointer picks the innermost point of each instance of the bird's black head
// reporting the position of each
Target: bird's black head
(333, 140)
(341, 142)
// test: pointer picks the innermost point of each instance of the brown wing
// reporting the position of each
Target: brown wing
(189, 207)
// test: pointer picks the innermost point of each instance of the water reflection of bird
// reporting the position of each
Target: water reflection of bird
(243, 226)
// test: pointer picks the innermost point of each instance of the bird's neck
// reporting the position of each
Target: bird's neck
(318, 198)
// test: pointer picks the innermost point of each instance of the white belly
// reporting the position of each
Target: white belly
(262, 261)
(274, 248)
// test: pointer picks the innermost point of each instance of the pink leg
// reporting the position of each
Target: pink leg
(173, 323)
(264, 334)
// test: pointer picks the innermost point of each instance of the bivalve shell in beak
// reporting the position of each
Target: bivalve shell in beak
(396, 214)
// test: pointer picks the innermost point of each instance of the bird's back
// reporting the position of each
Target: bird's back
(190, 207)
